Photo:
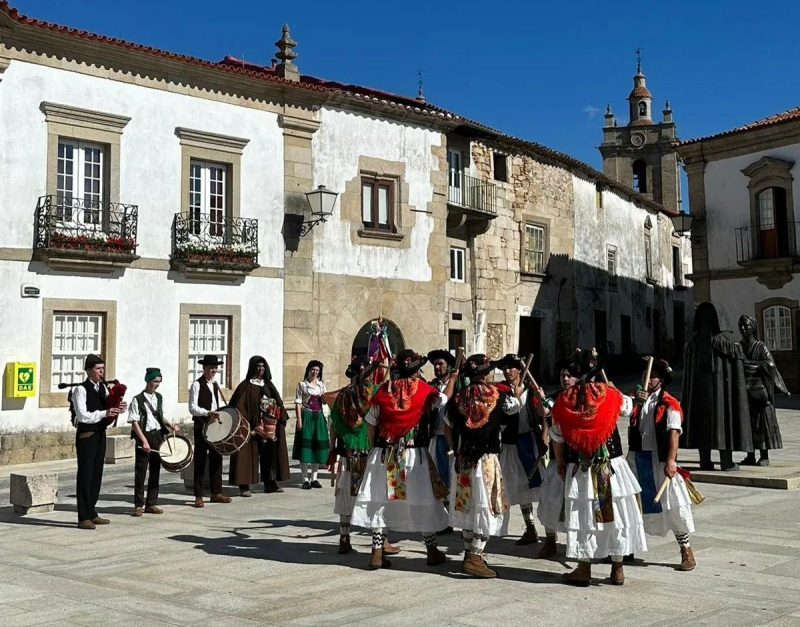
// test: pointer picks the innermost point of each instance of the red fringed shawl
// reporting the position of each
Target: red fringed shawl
(586, 429)
(402, 408)
(476, 402)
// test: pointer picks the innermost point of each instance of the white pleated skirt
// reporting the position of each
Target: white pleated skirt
(343, 500)
(515, 477)
(477, 515)
(676, 504)
(551, 499)
(587, 539)
(420, 511)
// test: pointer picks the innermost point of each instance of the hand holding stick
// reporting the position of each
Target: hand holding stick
(646, 380)
(663, 487)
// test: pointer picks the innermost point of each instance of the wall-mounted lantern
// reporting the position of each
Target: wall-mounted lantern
(322, 202)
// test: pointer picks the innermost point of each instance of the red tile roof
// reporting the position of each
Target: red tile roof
(640, 91)
(373, 97)
(778, 118)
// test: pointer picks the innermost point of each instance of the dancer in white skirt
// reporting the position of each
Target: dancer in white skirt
(551, 493)
(401, 490)
(601, 509)
(653, 435)
(478, 500)
(521, 447)
(442, 362)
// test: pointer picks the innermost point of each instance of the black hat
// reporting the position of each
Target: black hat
(92, 361)
(662, 370)
(210, 360)
(441, 353)
(407, 363)
(571, 365)
(360, 365)
(510, 361)
(478, 365)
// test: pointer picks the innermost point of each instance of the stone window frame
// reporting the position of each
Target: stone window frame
(611, 262)
(107, 308)
(187, 310)
(377, 182)
(215, 148)
(496, 154)
(88, 125)
(793, 306)
(541, 222)
(765, 173)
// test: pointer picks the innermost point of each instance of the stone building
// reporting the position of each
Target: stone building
(641, 154)
(155, 210)
(745, 230)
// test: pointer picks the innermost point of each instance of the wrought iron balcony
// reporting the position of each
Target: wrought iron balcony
(472, 194)
(754, 243)
(75, 228)
(209, 243)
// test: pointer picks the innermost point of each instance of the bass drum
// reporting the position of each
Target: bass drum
(229, 433)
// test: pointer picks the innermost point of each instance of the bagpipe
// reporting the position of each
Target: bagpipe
(115, 394)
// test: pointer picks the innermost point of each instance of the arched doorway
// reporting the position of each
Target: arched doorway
(368, 340)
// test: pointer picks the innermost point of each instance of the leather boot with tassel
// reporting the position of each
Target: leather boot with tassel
(474, 565)
(617, 574)
(687, 559)
(389, 548)
(581, 576)
(377, 560)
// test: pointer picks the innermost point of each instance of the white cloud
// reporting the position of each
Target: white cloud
(591, 111)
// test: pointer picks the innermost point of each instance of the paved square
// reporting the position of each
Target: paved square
(271, 560)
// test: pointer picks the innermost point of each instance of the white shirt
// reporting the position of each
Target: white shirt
(647, 421)
(305, 390)
(79, 403)
(135, 412)
(194, 394)
(438, 428)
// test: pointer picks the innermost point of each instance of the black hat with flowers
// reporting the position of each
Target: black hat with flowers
(510, 361)
(407, 363)
(478, 365)
(360, 365)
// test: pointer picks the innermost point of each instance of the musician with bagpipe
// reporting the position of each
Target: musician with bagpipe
(93, 408)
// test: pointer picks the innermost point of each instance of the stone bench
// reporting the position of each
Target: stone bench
(34, 493)
(119, 447)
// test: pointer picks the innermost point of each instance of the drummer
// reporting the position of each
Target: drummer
(148, 427)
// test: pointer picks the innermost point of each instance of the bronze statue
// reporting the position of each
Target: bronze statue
(763, 379)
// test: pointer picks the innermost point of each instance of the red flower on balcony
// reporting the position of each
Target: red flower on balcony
(96, 242)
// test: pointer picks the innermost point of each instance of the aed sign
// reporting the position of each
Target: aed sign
(20, 379)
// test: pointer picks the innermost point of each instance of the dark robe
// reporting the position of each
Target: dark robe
(763, 379)
(271, 457)
(714, 395)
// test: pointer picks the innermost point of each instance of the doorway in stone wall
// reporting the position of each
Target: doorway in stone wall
(530, 341)
(376, 338)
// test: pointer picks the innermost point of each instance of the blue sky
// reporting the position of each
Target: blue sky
(543, 71)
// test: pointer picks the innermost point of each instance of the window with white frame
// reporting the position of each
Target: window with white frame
(778, 328)
(75, 335)
(766, 210)
(79, 181)
(207, 189)
(611, 265)
(533, 241)
(457, 264)
(209, 336)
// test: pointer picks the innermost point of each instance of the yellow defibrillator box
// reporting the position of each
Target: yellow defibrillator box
(20, 379)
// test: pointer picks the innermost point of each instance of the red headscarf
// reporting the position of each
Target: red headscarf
(403, 406)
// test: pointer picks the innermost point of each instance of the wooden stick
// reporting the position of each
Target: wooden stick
(663, 487)
(646, 379)
(603, 376)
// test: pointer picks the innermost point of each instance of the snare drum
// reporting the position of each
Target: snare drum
(228, 434)
(180, 455)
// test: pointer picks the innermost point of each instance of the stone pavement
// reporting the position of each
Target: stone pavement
(271, 560)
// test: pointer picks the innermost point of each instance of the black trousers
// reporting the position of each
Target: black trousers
(141, 465)
(203, 450)
(90, 448)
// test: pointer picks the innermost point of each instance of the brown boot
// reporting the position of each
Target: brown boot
(529, 537)
(390, 549)
(86, 524)
(687, 559)
(198, 501)
(581, 576)
(220, 498)
(152, 509)
(549, 548)
(617, 574)
(474, 565)
(137, 512)
(344, 545)
(435, 556)
(377, 560)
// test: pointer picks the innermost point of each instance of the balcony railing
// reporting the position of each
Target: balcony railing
(757, 243)
(201, 239)
(470, 193)
(73, 224)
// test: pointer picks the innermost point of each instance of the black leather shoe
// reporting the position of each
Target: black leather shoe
(306, 485)
(316, 484)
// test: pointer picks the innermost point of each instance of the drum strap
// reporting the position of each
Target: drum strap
(143, 402)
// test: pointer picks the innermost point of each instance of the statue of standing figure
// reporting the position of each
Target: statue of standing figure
(763, 380)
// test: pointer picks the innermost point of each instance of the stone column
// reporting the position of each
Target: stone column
(695, 171)
(299, 326)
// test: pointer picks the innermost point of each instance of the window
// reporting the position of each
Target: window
(648, 255)
(639, 183)
(598, 196)
(648, 317)
(455, 340)
(209, 336)
(207, 188)
(500, 163)
(766, 212)
(533, 249)
(457, 264)
(75, 335)
(778, 328)
(454, 174)
(611, 265)
(677, 266)
(79, 181)
(376, 204)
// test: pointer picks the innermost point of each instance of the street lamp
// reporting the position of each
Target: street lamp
(682, 222)
(321, 201)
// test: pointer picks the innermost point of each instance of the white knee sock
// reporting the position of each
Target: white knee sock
(314, 469)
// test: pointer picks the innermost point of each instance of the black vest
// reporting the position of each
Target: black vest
(472, 444)
(95, 401)
(510, 433)
(204, 398)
